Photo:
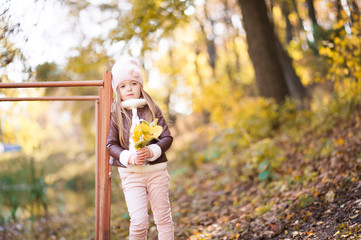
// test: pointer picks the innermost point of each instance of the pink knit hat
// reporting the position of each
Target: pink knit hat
(127, 68)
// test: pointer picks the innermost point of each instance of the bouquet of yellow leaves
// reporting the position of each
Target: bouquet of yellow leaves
(145, 132)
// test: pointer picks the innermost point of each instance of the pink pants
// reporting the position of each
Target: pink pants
(138, 189)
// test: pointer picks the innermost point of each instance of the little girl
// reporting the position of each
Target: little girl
(144, 172)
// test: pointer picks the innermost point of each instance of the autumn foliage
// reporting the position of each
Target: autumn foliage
(243, 165)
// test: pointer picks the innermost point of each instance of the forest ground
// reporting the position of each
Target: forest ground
(314, 194)
(310, 196)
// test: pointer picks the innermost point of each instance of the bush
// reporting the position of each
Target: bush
(22, 187)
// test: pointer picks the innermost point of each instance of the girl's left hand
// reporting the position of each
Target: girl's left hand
(144, 153)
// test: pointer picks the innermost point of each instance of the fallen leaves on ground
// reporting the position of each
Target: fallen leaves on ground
(314, 196)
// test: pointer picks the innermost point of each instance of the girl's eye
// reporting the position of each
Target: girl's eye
(122, 86)
(134, 83)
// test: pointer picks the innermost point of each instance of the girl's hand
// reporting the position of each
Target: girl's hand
(134, 160)
(144, 154)
(131, 159)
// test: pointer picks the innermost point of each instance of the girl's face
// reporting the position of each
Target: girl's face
(129, 90)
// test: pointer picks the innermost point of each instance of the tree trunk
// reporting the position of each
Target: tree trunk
(354, 9)
(211, 46)
(317, 30)
(262, 50)
(294, 83)
(312, 12)
(230, 37)
(205, 114)
(300, 20)
(233, 37)
(286, 12)
(339, 9)
(211, 49)
(171, 117)
(198, 72)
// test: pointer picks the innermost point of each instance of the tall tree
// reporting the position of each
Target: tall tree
(300, 20)
(263, 50)
(338, 9)
(211, 46)
(169, 87)
(354, 10)
(317, 30)
(294, 84)
(149, 21)
(286, 11)
(209, 36)
(312, 12)
(231, 37)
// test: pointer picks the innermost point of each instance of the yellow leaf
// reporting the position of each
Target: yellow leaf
(145, 132)
(144, 127)
(136, 135)
(148, 137)
(156, 131)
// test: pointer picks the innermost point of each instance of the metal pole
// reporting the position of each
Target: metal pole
(103, 169)
(105, 101)
(52, 84)
(67, 98)
(97, 169)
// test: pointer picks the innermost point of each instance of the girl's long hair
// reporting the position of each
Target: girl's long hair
(120, 116)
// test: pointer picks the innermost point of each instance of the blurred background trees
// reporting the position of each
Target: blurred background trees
(228, 74)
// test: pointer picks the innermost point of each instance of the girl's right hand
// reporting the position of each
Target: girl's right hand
(133, 160)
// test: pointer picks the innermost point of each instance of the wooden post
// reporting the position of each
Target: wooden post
(104, 169)
(97, 168)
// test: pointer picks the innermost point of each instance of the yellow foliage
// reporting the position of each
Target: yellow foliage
(344, 54)
(32, 124)
(299, 55)
(145, 132)
(242, 115)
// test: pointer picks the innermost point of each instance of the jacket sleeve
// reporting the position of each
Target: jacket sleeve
(113, 144)
(165, 139)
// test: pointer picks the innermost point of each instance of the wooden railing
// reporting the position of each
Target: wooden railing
(102, 110)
